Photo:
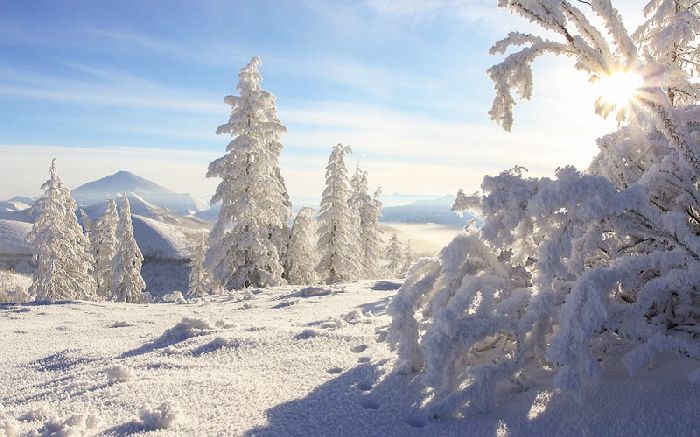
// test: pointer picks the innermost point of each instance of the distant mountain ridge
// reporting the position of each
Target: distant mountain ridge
(109, 187)
(436, 211)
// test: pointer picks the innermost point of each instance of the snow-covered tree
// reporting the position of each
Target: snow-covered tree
(199, 284)
(302, 256)
(394, 254)
(669, 36)
(61, 249)
(408, 258)
(127, 283)
(368, 210)
(251, 229)
(337, 243)
(565, 272)
(86, 222)
(104, 247)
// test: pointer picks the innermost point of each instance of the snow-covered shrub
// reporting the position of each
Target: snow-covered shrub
(167, 416)
(250, 235)
(563, 269)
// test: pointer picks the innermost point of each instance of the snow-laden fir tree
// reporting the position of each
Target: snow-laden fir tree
(251, 229)
(104, 247)
(408, 258)
(368, 210)
(302, 256)
(337, 243)
(199, 284)
(86, 223)
(61, 249)
(394, 256)
(127, 284)
(569, 274)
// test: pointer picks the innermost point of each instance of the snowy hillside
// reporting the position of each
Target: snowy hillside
(144, 208)
(110, 187)
(162, 240)
(13, 205)
(16, 212)
(13, 238)
(285, 362)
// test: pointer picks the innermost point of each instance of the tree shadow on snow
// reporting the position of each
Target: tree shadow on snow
(377, 308)
(353, 403)
(60, 361)
(369, 400)
(386, 286)
(174, 335)
(125, 429)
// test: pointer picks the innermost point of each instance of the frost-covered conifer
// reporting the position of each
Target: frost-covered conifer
(566, 271)
(104, 247)
(302, 256)
(86, 222)
(251, 229)
(127, 284)
(408, 258)
(61, 249)
(394, 254)
(198, 285)
(336, 241)
(368, 210)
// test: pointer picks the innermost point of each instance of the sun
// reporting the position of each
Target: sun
(620, 88)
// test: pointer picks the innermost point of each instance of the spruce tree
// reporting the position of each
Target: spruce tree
(198, 285)
(251, 229)
(127, 284)
(104, 247)
(407, 258)
(337, 244)
(368, 211)
(394, 255)
(61, 249)
(300, 267)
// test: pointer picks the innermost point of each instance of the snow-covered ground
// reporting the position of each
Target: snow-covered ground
(288, 361)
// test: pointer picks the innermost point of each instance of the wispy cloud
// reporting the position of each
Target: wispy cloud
(484, 12)
(102, 88)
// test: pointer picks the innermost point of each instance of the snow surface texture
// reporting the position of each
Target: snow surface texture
(290, 361)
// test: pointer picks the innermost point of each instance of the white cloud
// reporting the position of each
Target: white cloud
(104, 88)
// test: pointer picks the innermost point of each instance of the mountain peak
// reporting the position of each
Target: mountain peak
(123, 181)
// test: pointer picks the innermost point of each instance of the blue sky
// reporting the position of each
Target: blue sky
(138, 85)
